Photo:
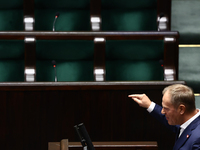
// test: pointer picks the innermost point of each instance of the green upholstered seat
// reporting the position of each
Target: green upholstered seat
(11, 15)
(125, 60)
(189, 68)
(11, 61)
(185, 19)
(197, 101)
(74, 60)
(69, 20)
(79, 4)
(74, 15)
(129, 15)
(12, 51)
(134, 60)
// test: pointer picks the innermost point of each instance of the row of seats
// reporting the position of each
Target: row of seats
(76, 16)
(122, 54)
(120, 60)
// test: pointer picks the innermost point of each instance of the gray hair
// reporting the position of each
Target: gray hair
(181, 94)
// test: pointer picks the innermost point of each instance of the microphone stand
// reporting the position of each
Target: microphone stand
(54, 65)
(56, 16)
(55, 75)
(54, 62)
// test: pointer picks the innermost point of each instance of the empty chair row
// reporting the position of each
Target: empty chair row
(79, 15)
(89, 56)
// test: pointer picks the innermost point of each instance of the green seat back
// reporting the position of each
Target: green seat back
(11, 61)
(74, 60)
(185, 19)
(189, 68)
(129, 15)
(134, 60)
(11, 15)
(74, 15)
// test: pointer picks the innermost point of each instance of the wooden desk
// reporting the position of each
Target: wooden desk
(33, 114)
(139, 145)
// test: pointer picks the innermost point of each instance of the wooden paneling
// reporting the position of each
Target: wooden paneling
(33, 114)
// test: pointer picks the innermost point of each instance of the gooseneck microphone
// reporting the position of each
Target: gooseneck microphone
(161, 63)
(54, 66)
(56, 16)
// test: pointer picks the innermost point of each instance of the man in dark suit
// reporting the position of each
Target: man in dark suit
(178, 112)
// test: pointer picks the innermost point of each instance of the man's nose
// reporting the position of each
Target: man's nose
(162, 111)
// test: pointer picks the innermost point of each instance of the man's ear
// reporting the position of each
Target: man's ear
(181, 109)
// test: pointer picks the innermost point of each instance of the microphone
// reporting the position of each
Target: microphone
(56, 16)
(54, 65)
(161, 62)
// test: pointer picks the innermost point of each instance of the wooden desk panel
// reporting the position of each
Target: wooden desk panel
(33, 114)
(140, 145)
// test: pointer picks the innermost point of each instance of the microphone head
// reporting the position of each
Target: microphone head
(161, 62)
(57, 14)
(54, 63)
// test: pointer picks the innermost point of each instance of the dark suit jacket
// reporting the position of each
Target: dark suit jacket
(189, 139)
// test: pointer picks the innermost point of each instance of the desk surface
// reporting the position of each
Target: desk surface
(132, 85)
(45, 35)
(118, 144)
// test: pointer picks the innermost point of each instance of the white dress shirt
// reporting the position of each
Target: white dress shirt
(184, 125)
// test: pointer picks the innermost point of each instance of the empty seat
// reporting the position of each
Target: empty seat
(11, 15)
(129, 15)
(73, 15)
(74, 60)
(134, 60)
(11, 60)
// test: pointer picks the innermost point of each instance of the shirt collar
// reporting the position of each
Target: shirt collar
(184, 125)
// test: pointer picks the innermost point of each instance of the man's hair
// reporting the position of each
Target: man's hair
(181, 94)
